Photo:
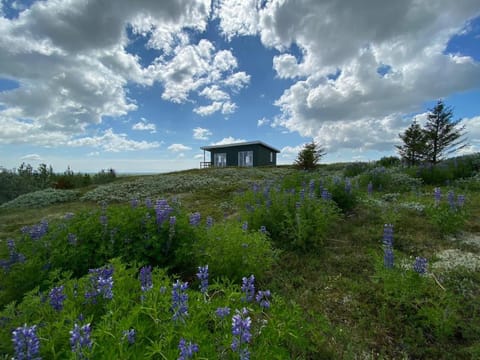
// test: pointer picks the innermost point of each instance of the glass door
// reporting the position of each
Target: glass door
(220, 160)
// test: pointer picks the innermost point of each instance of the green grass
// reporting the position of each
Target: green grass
(354, 307)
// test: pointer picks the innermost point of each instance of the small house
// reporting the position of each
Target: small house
(251, 153)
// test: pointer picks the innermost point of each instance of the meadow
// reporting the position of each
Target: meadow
(349, 261)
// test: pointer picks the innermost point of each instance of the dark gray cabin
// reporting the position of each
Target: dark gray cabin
(251, 153)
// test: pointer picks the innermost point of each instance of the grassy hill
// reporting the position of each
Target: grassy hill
(342, 285)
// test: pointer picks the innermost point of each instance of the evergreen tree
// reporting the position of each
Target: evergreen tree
(309, 156)
(443, 135)
(414, 147)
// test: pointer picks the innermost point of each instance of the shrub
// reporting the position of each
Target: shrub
(41, 198)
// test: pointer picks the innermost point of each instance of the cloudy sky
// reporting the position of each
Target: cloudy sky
(140, 86)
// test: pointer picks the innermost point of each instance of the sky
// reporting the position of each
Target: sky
(140, 86)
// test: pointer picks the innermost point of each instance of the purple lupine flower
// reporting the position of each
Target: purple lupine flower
(437, 194)
(129, 335)
(298, 205)
(302, 194)
(420, 265)
(348, 186)
(451, 199)
(36, 231)
(57, 297)
(248, 287)
(72, 239)
(195, 219)
(241, 324)
(101, 282)
(180, 300)
(25, 343)
(370, 188)
(146, 283)
(263, 299)
(388, 257)
(162, 211)
(148, 203)
(326, 195)
(14, 255)
(222, 312)
(68, 215)
(388, 235)
(245, 226)
(202, 275)
(186, 349)
(255, 187)
(209, 221)
(460, 200)
(134, 203)
(263, 229)
(311, 186)
(80, 339)
(173, 220)
(103, 220)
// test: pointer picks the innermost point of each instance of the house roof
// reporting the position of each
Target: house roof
(213, 147)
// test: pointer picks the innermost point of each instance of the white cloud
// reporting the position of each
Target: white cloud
(112, 142)
(208, 109)
(263, 121)
(178, 148)
(290, 152)
(214, 93)
(32, 157)
(201, 133)
(71, 62)
(228, 140)
(144, 125)
(94, 154)
(333, 55)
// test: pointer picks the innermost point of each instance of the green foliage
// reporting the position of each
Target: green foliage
(233, 252)
(309, 156)
(447, 220)
(354, 169)
(41, 198)
(277, 332)
(392, 179)
(389, 161)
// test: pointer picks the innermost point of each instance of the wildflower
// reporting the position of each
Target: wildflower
(311, 186)
(36, 231)
(302, 194)
(80, 339)
(461, 200)
(148, 203)
(68, 215)
(187, 349)
(348, 186)
(195, 219)
(248, 287)
(388, 235)
(134, 203)
(173, 220)
(437, 194)
(370, 188)
(262, 298)
(326, 195)
(162, 211)
(25, 343)
(129, 335)
(146, 283)
(57, 297)
(222, 312)
(180, 300)
(451, 199)
(241, 324)
(263, 229)
(255, 187)
(420, 265)
(163, 290)
(388, 257)
(245, 226)
(72, 239)
(209, 221)
(101, 281)
(203, 277)
(104, 220)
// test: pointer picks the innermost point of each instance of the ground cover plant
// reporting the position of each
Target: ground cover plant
(344, 263)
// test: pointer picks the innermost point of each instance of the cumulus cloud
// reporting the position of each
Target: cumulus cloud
(201, 133)
(229, 140)
(362, 65)
(263, 121)
(144, 125)
(32, 157)
(179, 148)
(112, 142)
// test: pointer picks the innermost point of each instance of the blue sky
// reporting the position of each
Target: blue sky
(140, 86)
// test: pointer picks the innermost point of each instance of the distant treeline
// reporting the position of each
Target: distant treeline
(26, 179)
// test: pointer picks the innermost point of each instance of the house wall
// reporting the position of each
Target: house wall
(261, 155)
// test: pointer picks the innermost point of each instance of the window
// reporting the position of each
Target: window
(220, 159)
(245, 158)
(271, 156)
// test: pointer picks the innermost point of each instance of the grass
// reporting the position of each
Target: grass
(356, 309)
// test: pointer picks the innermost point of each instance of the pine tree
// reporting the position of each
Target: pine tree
(443, 135)
(414, 147)
(309, 156)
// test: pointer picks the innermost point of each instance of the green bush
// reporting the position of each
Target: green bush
(41, 198)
